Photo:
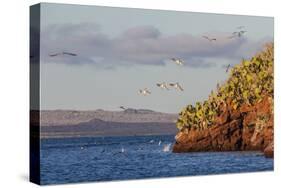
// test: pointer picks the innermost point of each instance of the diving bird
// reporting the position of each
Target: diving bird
(144, 92)
(209, 39)
(62, 53)
(177, 61)
(167, 147)
(163, 85)
(176, 86)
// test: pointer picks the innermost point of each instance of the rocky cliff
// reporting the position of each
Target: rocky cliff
(247, 128)
(238, 116)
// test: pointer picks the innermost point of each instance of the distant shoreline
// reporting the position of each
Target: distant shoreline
(130, 122)
(103, 128)
(100, 136)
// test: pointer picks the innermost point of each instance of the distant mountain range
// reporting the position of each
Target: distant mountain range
(130, 122)
(71, 117)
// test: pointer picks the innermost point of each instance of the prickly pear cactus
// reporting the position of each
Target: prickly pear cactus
(248, 82)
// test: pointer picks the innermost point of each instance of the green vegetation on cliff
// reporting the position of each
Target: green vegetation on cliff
(248, 83)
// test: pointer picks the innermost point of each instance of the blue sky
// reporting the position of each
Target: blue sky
(121, 50)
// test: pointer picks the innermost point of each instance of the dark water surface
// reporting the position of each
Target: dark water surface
(71, 160)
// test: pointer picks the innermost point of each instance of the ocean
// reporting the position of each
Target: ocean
(88, 159)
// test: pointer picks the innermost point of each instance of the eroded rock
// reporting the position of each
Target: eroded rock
(246, 128)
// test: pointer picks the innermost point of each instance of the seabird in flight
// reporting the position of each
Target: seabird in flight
(63, 53)
(237, 34)
(163, 85)
(177, 61)
(209, 39)
(177, 86)
(122, 107)
(227, 68)
(144, 92)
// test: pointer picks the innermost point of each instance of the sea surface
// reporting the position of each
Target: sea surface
(72, 160)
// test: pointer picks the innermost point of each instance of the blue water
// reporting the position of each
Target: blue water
(71, 160)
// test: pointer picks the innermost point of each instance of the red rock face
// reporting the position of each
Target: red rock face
(269, 151)
(247, 128)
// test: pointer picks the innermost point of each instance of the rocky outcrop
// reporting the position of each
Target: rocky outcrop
(246, 128)
(269, 150)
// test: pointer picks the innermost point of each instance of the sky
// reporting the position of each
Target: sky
(122, 50)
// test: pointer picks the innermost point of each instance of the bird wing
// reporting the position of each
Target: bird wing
(180, 87)
(53, 55)
(227, 68)
(205, 37)
(158, 85)
(146, 90)
(68, 53)
(166, 86)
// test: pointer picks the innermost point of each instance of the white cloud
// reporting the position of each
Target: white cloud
(139, 45)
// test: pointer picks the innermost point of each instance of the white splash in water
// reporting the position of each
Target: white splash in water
(122, 150)
(167, 147)
(159, 143)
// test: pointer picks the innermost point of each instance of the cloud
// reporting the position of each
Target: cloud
(139, 45)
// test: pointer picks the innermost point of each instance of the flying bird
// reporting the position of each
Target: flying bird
(176, 86)
(144, 92)
(227, 68)
(53, 55)
(237, 34)
(68, 53)
(163, 85)
(240, 33)
(122, 107)
(209, 39)
(177, 61)
(63, 53)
